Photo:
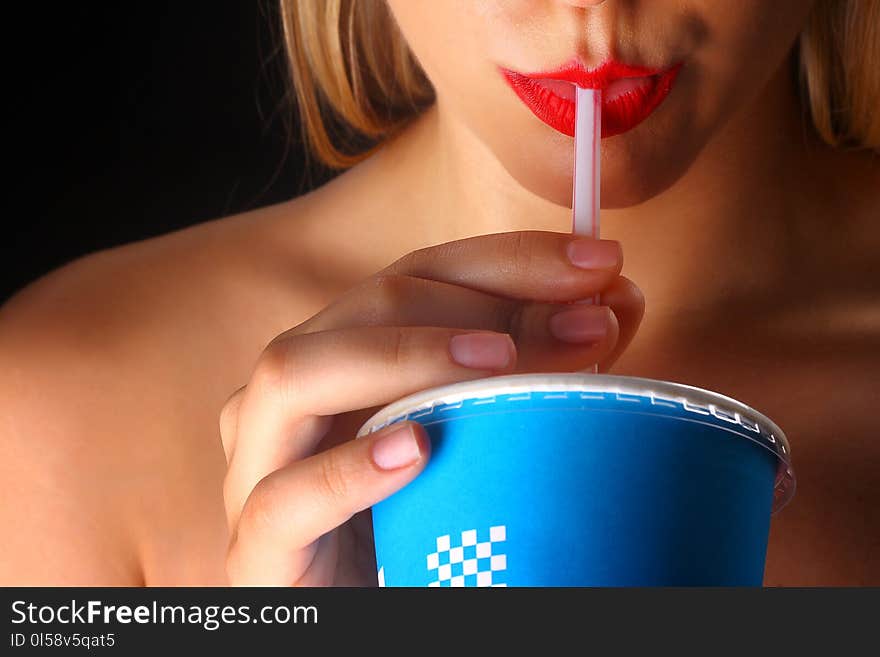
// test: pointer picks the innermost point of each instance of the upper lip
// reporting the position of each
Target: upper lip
(594, 78)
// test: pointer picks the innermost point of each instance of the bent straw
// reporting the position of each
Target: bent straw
(585, 188)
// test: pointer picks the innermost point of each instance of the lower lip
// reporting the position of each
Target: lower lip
(626, 102)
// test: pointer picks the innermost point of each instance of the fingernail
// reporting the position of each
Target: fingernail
(485, 351)
(594, 254)
(580, 324)
(396, 449)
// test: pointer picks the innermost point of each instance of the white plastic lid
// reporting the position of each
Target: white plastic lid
(698, 401)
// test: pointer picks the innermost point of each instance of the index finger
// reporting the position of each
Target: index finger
(531, 264)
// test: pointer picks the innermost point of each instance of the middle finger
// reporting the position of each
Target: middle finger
(544, 340)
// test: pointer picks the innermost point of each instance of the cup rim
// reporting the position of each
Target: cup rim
(690, 397)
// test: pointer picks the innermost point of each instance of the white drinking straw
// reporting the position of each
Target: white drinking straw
(585, 190)
(587, 140)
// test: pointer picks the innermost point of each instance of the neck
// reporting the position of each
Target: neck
(726, 234)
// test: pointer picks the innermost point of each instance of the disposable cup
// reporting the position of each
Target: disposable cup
(582, 480)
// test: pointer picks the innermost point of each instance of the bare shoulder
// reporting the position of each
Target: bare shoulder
(163, 303)
(113, 370)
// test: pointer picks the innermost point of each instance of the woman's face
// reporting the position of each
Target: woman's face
(678, 70)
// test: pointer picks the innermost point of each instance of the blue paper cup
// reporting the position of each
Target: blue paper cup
(582, 480)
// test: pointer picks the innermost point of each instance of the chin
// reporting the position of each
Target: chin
(636, 166)
(629, 176)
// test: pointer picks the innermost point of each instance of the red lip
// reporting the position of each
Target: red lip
(629, 93)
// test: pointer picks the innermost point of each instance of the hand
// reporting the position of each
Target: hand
(297, 484)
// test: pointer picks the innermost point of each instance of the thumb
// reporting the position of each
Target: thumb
(290, 509)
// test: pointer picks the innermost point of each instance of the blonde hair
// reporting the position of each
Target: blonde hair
(355, 78)
(357, 83)
(840, 78)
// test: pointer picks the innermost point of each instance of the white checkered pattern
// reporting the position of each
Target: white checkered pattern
(469, 562)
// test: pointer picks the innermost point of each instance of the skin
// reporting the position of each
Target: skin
(750, 248)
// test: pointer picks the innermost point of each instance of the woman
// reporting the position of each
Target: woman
(739, 176)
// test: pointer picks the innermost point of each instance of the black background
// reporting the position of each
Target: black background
(135, 119)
